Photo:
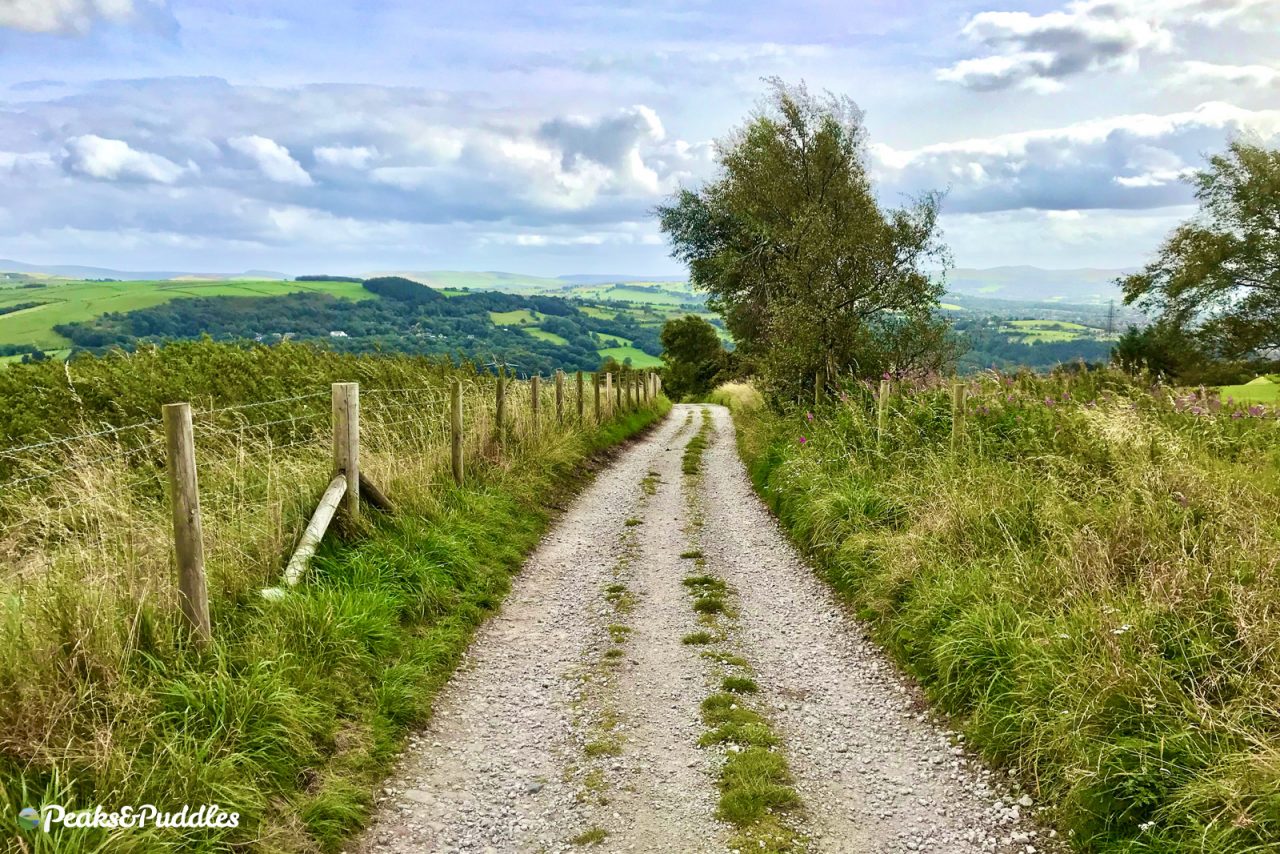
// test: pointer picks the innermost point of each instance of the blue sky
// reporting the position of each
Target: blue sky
(349, 138)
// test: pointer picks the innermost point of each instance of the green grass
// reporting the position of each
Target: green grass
(301, 705)
(604, 746)
(739, 685)
(639, 358)
(1267, 392)
(544, 335)
(518, 317)
(591, 836)
(616, 340)
(68, 302)
(698, 639)
(1087, 588)
(694, 554)
(691, 460)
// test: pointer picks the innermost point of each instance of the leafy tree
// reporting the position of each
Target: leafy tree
(693, 354)
(808, 270)
(1162, 349)
(1219, 273)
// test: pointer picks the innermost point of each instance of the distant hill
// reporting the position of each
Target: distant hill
(593, 279)
(74, 271)
(1033, 284)
(1084, 286)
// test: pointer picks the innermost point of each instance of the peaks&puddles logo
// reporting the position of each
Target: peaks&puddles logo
(128, 817)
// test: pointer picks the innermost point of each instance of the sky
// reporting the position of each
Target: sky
(310, 137)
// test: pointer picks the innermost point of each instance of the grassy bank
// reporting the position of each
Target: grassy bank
(1089, 583)
(294, 714)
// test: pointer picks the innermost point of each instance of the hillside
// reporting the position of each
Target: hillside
(533, 333)
(56, 315)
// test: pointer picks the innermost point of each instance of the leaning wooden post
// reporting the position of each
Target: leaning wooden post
(582, 403)
(188, 537)
(455, 423)
(957, 415)
(560, 397)
(608, 393)
(500, 406)
(535, 392)
(346, 444)
(882, 411)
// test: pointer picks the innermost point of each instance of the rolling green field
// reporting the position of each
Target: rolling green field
(671, 293)
(71, 301)
(519, 317)
(544, 335)
(1033, 331)
(639, 358)
(1261, 390)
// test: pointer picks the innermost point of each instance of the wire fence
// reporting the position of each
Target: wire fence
(93, 509)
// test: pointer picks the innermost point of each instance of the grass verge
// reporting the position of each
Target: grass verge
(1088, 584)
(296, 712)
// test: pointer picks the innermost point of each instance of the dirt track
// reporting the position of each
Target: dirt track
(543, 736)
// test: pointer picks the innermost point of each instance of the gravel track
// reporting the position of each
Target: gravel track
(508, 762)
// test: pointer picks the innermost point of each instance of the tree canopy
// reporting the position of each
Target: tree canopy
(806, 267)
(1218, 274)
(693, 355)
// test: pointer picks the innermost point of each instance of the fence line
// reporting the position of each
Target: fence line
(254, 487)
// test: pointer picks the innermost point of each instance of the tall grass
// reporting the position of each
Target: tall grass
(1089, 583)
(297, 709)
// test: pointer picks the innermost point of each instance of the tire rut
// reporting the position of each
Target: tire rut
(575, 717)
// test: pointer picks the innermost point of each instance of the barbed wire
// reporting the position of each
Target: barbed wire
(63, 440)
(208, 429)
(242, 406)
(79, 464)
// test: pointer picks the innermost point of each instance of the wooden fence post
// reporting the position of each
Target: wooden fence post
(500, 406)
(629, 382)
(188, 536)
(535, 393)
(818, 383)
(957, 415)
(346, 444)
(455, 422)
(559, 397)
(881, 412)
(595, 385)
(582, 403)
(608, 393)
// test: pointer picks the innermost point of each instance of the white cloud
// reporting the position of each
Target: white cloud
(272, 158)
(64, 16)
(1209, 73)
(1036, 51)
(346, 156)
(1128, 161)
(113, 160)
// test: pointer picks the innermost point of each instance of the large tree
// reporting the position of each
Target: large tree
(693, 354)
(1218, 274)
(809, 271)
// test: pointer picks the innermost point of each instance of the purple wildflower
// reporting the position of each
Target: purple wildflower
(803, 440)
(1257, 410)
(808, 416)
